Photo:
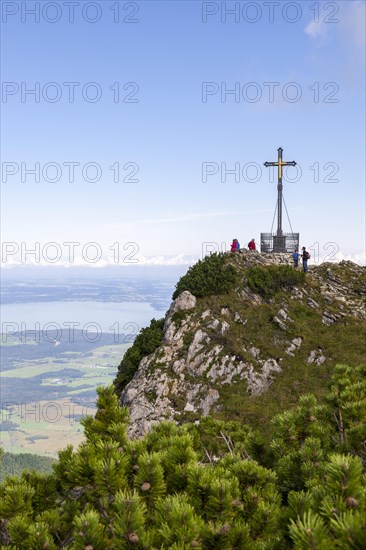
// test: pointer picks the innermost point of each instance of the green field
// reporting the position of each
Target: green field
(45, 426)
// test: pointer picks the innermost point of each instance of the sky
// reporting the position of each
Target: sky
(142, 144)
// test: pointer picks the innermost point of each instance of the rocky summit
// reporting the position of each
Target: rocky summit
(249, 348)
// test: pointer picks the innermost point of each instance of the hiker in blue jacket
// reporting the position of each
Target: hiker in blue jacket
(296, 257)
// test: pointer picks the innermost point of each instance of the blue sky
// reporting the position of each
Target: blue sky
(170, 132)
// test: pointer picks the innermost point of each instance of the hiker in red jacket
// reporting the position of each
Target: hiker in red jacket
(251, 245)
(235, 246)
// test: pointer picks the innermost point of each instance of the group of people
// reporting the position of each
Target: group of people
(235, 245)
(305, 256)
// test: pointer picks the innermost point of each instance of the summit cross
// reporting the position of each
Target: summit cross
(280, 163)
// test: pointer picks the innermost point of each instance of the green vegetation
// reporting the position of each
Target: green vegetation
(341, 342)
(68, 385)
(15, 464)
(145, 343)
(212, 275)
(207, 486)
(269, 280)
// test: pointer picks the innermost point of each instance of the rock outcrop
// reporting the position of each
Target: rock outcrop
(211, 344)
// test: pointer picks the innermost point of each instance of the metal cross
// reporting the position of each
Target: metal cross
(280, 163)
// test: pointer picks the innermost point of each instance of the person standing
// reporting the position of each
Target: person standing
(296, 257)
(251, 245)
(235, 246)
(305, 257)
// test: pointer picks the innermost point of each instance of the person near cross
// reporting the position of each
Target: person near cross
(305, 257)
(251, 245)
(295, 257)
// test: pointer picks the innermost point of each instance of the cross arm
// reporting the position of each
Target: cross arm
(270, 164)
(291, 163)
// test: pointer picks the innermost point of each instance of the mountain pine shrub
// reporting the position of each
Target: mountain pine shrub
(212, 275)
(144, 344)
(269, 280)
(198, 485)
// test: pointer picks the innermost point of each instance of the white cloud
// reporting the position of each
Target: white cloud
(350, 26)
(315, 29)
(143, 261)
(181, 259)
(358, 258)
(162, 261)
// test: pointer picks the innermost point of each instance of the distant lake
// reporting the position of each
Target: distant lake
(111, 306)
(155, 292)
(117, 317)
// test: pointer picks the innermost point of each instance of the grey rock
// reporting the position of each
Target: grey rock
(224, 327)
(282, 314)
(260, 382)
(320, 359)
(238, 319)
(210, 399)
(185, 301)
(312, 303)
(316, 357)
(214, 324)
(225, 370)
(254, 352)
(297, 341)
(330, 318)
(295, 344)
(281, 318)
(279, 322)
(247, 294)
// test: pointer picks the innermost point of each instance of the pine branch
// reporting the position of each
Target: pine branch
(210, 458)
(228, 441)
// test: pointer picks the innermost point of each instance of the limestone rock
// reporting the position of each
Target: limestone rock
(316, 357)
(254, 352)
(214, 325)
(238, 319)
(185, 301)
(211, 398)
(295, 344)
(260, 382)
(224, 327)
(330, 318)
